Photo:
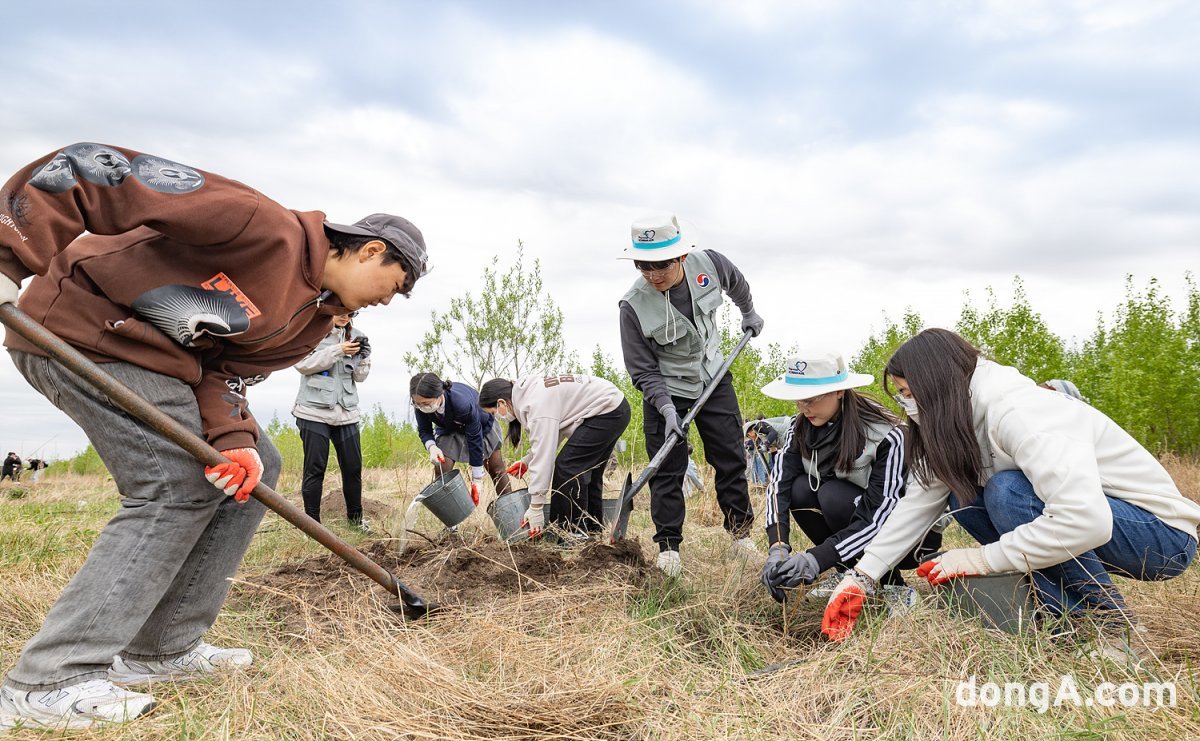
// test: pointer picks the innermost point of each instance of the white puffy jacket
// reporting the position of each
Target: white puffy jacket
(1073, 455)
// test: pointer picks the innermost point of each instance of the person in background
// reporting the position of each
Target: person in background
(1046, 485)
(189, 288)
(1064, 387)
(326, 411)
(761, 442)
(590, 414)
(12, 468)
(840, 476)
(454, 428)
(37, 465)
(670, 341)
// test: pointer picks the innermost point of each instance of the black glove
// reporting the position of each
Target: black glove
(364, 347)
(802, 568)
(777, 557)
(671, 420)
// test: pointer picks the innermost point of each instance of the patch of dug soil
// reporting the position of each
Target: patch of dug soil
(333, 504)
(450, 575)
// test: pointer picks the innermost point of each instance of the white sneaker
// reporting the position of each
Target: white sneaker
(899, 599)
(668, 562)
(76, 706)
(199, 662)
(823, 589)
(744, 548)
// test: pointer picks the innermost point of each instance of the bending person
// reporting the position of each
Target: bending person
(1047, 485)
(840, 475)
(326, 411)
(590, 414)
(454, 428)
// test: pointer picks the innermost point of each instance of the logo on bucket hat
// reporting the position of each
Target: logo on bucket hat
(812, 374)
(657, 237)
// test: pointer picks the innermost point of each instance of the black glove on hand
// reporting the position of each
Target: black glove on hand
(802, 568)
(777, 557)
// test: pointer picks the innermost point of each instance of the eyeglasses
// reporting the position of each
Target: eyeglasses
(655, 269)
(806, 403)
(352, 314)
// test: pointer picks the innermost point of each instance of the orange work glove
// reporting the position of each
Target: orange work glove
(475, 493)
(844, 606)
(239, 476)
(952, 563)
(519, 469)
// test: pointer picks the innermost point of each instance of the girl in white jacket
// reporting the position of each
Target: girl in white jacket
(1047, 485)
(589, 413)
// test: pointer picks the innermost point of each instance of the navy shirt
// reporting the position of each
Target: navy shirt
(461, 413)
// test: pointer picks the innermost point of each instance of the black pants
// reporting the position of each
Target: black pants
(316, 437)
(578, 504)
(823, 511)
(720, 426)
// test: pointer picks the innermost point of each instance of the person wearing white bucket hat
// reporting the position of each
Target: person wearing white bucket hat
(1047, 485)
(840, 474)
(670, 340)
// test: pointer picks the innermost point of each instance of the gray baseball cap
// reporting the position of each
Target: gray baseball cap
(397, 231)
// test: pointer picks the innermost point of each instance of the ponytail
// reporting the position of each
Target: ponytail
(492, 392)
(428, 385)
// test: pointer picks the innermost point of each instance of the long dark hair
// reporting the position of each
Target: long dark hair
(856, 412)
(937, 364)
(428, 385)
(492, 392)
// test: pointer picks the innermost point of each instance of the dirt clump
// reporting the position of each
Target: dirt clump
(452, 575)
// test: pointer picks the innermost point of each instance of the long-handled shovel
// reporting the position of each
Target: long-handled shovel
(631, 487)
(411, 604)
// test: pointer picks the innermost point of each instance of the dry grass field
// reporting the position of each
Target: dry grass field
(587, 643)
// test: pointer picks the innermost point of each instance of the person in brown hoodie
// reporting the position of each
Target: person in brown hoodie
(189, 288)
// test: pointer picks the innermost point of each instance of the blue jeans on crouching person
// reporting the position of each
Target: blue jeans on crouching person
(1142, 547)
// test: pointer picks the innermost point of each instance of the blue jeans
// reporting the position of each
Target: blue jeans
(1142, 547)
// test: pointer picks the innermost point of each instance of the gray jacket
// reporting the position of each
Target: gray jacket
(329, 388)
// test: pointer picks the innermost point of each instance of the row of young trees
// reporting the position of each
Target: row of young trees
(1140, 365)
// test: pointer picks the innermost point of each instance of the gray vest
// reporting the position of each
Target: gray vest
(689, 355)
(860, 472)
(334, 386)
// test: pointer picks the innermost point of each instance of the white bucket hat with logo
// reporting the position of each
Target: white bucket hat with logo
(657, 237)
(812, 374)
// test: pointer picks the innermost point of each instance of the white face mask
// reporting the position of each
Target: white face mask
(910, 408)
(507, 416)
(432, 408)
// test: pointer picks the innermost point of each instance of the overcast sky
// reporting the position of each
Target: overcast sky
(853, 158)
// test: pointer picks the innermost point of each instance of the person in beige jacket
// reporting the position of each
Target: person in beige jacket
(590, 414)
(1048, 485)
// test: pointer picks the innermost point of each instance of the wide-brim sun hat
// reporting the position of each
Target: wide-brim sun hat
(657, 237)
(811, 374)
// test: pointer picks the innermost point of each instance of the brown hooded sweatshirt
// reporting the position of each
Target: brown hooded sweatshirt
(179, 271)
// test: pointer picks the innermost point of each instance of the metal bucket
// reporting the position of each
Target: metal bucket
(448, 499)
(508, 511)
(1002, 601)
(611, 508)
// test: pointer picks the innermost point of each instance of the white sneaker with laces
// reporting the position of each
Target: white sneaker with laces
(744, 548)
(823, 589)
(899, 598)
(201, 661)
(77, 706)
(668, 562)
